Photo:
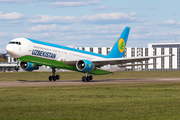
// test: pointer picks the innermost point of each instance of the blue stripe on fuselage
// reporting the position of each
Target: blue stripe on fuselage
(67, 48)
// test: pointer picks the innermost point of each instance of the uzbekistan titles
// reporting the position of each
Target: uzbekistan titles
(43, 54)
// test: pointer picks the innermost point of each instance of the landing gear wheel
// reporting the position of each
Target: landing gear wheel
(87, 78)
(50, 78)
(54, 78)
(57, 77)
(90, 77)
(83, 78)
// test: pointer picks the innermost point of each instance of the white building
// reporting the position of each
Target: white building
(159, 64)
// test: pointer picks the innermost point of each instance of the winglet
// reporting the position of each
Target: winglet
(119, 47)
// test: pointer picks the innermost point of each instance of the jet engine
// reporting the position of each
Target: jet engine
(85, 66)
(29, 66)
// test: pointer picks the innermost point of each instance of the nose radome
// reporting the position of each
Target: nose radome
(10, 49)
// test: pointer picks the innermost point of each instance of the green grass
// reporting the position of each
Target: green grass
(29, 76)
(140, 101)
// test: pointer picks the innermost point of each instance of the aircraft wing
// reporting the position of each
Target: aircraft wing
(114, 61)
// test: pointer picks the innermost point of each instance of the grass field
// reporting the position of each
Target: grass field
(132, 101)
(77, 76)
(139, 101)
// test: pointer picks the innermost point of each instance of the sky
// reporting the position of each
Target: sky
(90, 23)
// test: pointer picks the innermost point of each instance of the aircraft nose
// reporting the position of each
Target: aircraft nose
(9, 49)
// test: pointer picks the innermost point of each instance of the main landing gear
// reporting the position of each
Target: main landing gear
(87, 78)
(54, 77)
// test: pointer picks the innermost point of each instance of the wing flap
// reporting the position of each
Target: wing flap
(126, 65)
(114, 61)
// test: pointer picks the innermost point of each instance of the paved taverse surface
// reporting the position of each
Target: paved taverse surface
(79, 82)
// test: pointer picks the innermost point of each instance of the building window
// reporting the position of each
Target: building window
(91, 49)
(108, 50)
(125, 53)
(170, 59)
(100, 50)
(132, 52)
(162, 59)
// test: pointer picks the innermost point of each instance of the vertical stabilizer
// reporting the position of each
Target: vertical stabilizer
(119, 47)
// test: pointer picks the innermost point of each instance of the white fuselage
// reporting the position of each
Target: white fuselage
(26, 48)
(20, 47)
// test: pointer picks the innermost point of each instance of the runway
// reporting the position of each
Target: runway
(22, 83)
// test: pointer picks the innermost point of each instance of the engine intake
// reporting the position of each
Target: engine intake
(29, 66)
(84, 65)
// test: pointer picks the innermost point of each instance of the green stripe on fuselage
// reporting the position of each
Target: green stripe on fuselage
(58, 64)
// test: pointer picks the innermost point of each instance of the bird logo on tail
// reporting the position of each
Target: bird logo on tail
(121, 45)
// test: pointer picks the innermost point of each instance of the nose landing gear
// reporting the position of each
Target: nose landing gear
(54, 77)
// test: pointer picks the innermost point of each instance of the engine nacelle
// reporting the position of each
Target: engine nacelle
(29, 66)
(85, 65)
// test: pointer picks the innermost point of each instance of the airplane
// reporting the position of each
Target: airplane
(32, 54)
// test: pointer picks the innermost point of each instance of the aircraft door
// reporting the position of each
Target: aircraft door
(30, 46)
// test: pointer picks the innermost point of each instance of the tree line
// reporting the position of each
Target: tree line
(3, 57)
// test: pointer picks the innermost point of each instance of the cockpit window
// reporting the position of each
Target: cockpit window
(18, 43)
